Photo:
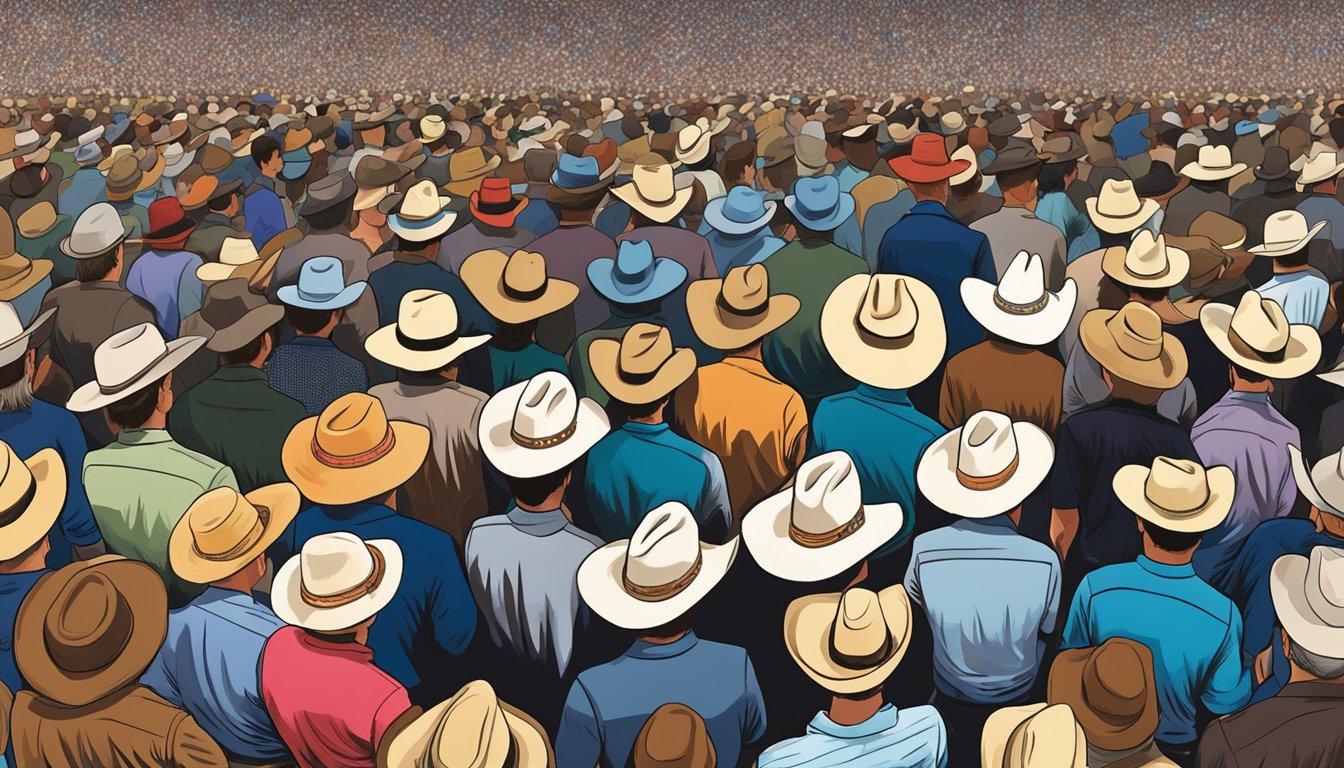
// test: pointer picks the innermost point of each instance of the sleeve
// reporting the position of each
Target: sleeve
(393, 707)
(795, 434)
(949, 401)
(132, 312)
(1214, 751)
(1050, 619)
(1065, 492)
(753, 723)
(1077, 629)
(715, 513)
(578, 742)
(76, 520)
(1054, 271)
(190, 290)
(1228, 687)
(912, 586)
(189, 746)
(1083, 384)
(984, 261)
(224, 478)
(452, 606)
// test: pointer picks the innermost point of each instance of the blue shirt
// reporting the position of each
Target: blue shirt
(43, 425)
(404, 274)
(264, 212)
(167, 281)
(14, 588)
(930, 245)
(433, 603)
(992, 598)
(209, 666)
(87, 186)
(639, 466)
(1302, 295)
(908, 738)
(849, 177)
(313, 371)
(539, 218)
(885, 436)
(609, 704)
(1193, 631)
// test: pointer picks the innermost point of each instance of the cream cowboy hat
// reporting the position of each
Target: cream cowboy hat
(234, 253)
(473, 729)
(1308, 595)
(129, 361)
(694, 140)
(654, 191)
(1286, 233)
(1213, 163)
(967, 153)
(337, 581)
(1020, 308)
(737, 310)
(1148, 262)
(1130, 343)
(425, 337)
(514, 288)
(820, 526)
(849, 642)
(423, 214)
(32, 493)
(884, 330)
(13, 335)
(1321, 166)
(1323, 483)
(642, 365)
(1176, 494)
(985, 468)
(1256, 335)
(1033, 736)
(539, 426)
(656, 575)
(224, 530)
(1117, 209)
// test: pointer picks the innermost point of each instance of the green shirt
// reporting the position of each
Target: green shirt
(510, 366)
(139, 487)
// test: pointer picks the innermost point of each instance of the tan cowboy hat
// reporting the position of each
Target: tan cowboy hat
(642, 365)
(654, 191)
(737, 310)
(466, 168)
(1111, 690)
(539, 426)
(1117, 209)
(127, 362)
(656, 575)
(223, 530)
(1129, 342)
(1019, 307)
(351, 452)
(986, 467)
(32, 493)
(849, 642)
(1148, 262)
(1033, 735)
(425, 337)
(18, 273)
(90, 628)
(337, 581)
(674, 736)
(1286, 233)
(884, 330)
(1176, 494)
(1213, 163)
(472, 729)
(1308, 601)
(515, 288)
(1256, 335)
(235, 254)
(38, 220)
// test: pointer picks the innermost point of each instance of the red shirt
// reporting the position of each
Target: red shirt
(330, 704)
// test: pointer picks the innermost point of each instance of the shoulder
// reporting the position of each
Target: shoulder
(197, 462)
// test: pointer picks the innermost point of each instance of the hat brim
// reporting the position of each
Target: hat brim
(724, 330)
(668, 275)
(420, 230)
(1163, 372)
(1311, 481)
(1178, 268)
(90, 397)
(514, 460)
(1300, 356)
(600, 584)
(370, 197)
(909, 170)
(936, 474)
(501, 220)
(289, 294)
(215, 271)
(36, 521)
(1295, 614)
(384, 346)
(13, 349)
(807, 633)
(1120, 225)
(289, 606)
(247, 328)
(1128, 485)
(323, 484)
(765, 529)
(172, 233)
(77, 255)
(411, 744)
(661, 213)
(898, 363)
(1201, 173)
(715, 218)
(282, 502)
(1275, 250)
(1035, 329)
(1304, 180)
(1065, 686)
(483, 272)
(604, 360)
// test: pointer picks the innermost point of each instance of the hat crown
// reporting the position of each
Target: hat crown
(817, 197)
(1325, 585)
(1177, 485)
(334, 563)
(524, 273)
(220, 520)
(645, 348)
(634, 263)
(93, 627)
(653, 179)
(888, 310)
(664, 549)
(352, 426)
(127, 354)
(472, 732)
(1260, 323)
(321, 278)
(16, 479)
(426, 314)
(1023, 282)
(744, 205)
(746, 289)
(96, 229)
(548, 407)
(987, 447)
(421, 202)
(1118, 199)
(1146, 256)
(1215, 157)
(229, 302)
(1049, 739)
(826, 494)
(860, 630)
(495, 191)
(929, 149)
(165, 212)
(1285, 227)
(11, 325)
(237, 251)
(1115, 680)
(1137, 331)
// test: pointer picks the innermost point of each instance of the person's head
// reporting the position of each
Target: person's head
(334, 218)
(1056, 177)
(420, 246)
(1246, 380)
(672, 629)
(1147, 295)
(780, 176)
(1295, 260)
(635, 412)
(1168, 541)
(739, 164)
(936, 191)
(1314, 664)
(247, 577)
(373, 137)
(104, 266)
(373, 217)
(1122, 389)
(356, 634)
(267, 156)
(227, 205)
(543, 491)
(143, 406)
(313, 322)
(16, 383)
(253, 353)
(1019, 186)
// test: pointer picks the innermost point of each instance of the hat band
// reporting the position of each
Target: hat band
(520, 295)
(989, 482)
(867, 661)
(1240, 345)
(12, 513)
(635, 379)
(252, 537)
(756, 311)
(1015, 308)
(347, 596)
(497, 209)
(113, 389)
(537, 443)
(1148, 497)
(427, 345)
(358, 460)
(661, 591)
(818, 540)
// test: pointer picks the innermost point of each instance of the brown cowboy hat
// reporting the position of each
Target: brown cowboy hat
(1112, 691)
(1129, 342)
(737, 310)
(515, 288)
(674, 736)
(224, 530)
(642, 365)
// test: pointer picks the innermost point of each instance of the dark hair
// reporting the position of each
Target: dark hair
(244, 354)
(632, 411)
(404, 244)
(1148, 294)
(782, 175)
(1017, 177)
(96, 268)
(582, 203)
(308, 321)
(136, 408)
(680, 625)
(1171, 541)
(335, 217)
(1051, 177)
(222, 202)
(1248, 375)
(534, 490)
(12, 373)
(1296, 259)
(263, 149)
(863, 696)
(1337, 130)
(737, 159)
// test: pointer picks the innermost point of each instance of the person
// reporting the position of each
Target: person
(677, 735)
(737, 226)
(24, 281)
(222, 204)
(1297, 287)
(330, 703)
(492, 225)
(82, 639)
(650, 584)
(1014, 227)
(1320, 179)
(695, 152)
(263, 208)
(87, 185)
(1176, 501)
(208, 664)
(472, 722)
(966, 199)
(1062, 153)
(1209, 173)
(165, 273)
(517, 292)
(1033, 734)
(310, 368)
(1112, 690)
(656, 199)
(1279, 193)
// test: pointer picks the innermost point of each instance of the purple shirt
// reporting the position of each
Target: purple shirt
(167, 280)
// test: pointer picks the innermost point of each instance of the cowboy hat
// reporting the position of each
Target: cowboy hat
(674, 736)
(740, 212)
(653, 190)
(1307, 599)
(321, 286)
(352, 452)
(967, 153)
(986, 467)
(849, 642)
(1322, 166)
(577, 176)
(96, 231)
(1148, 262)
(1063, 147)
(1112, 691)
(1176, 494)
(423, 214)
(327, 192)
(1256, 335)
(1016, 156)
(884, 330)
(1117, 209)
(928, 161)
(820, 526)
(365, 120)
(127, 362)
(1323, 483)
(466, 168)
(33, 492)
(1033, 735)
(337, 581)
(818, 204)
(694, 140)
(1130, 343)
(656, 575)
(39, 219)
(636, 275)
(1020, 308)
(13, 335)
(169, 225)
(495, 205)
(18, 273)
(1286, 233)
(223, 530)
(1213, 163)
(738, 310)
(515, 288)
(426, 335)
(471, 729)
(642, 366)
(539, 426)
(207, 189)
(236, 254)
(237, 316)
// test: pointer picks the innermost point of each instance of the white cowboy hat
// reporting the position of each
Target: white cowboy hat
(1020, 308)
(473, 729)
(1286, 233)
(539, 426)
(1176, 494)
(1033, 736)
(1256, 335)
(129, 361)
(96, 231)
(1323, 483)
(1308, 595)
(986, 467)
(1213, 163)
(426, 335)
(13, 335)
(849, 642)
(423, 214)
(654, 191)
(694, 140)
(1118, 209)
(967, 153)
(884, 330)
(1322, 166)
(337, 581)
(820, 526)
(1148, 262)
(656, 575)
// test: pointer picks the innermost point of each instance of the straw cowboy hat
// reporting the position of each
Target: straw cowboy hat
(1319, 167)
(539, 426)
(90, 628)
(466, 168)
(656, 575)
(1256, 335)
(1111, 690)
(884, 330)
(423, 215)
(674, 736)
(986, 467)
(820, 526)
(18, 273)
(352, 452)
(1307, 599)
(238, 257)
(1117, 209)
(1020, 308)
(223, 530)
(129, 361)
(236, 316)
(694, 140)
(928, 161)
(96, 231)
(32, 493)
(1176, 494)
(1286, 233)
(472, 729)
(965, 152)
(737, 310)
(1323, 483)
(849, 642)
(39, 219)
(1148, 262)
(515, 288)
(426, 336)
(1033, 736)
(654, 191)
(14, 335)
(337, 581)
(1213, 163)
(1130, 343)
(642, 366)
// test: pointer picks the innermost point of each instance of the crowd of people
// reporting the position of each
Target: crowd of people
(769, 430)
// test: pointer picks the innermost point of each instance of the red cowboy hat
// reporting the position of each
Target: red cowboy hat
(495, 205)
(928, 161)
(169, 226)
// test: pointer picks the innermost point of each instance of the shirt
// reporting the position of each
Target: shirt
(209, 666)
(1193, 631)
(1328, 208)
(992, 598)
(880, 218)
(87, 186)
(311, 370)
(568, 251)
(14, 588)
(911, 738)
(731, 251)
(264, 210)
(167, 280)
(1084, 389)
(1299, 726)
(609, 704)
(1303, 295)
(849, 176)
(511, 366)
(330, 703)
(1019, 381)
(1011, 230)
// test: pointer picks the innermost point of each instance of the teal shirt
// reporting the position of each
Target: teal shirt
(510, 366)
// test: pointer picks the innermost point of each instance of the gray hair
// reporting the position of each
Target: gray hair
(16, 396)
(1314, 664)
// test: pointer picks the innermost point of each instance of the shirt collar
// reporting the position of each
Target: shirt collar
(643, 649)
(932, 207)
(883, 719)
(143, 436)
(1248, 397)
(240, 373)
(217, 595)
(356, 650)
(311, 341)
(1166, 571)
(897, 396)
(538, 523)
(995, 521)
(641, 428)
